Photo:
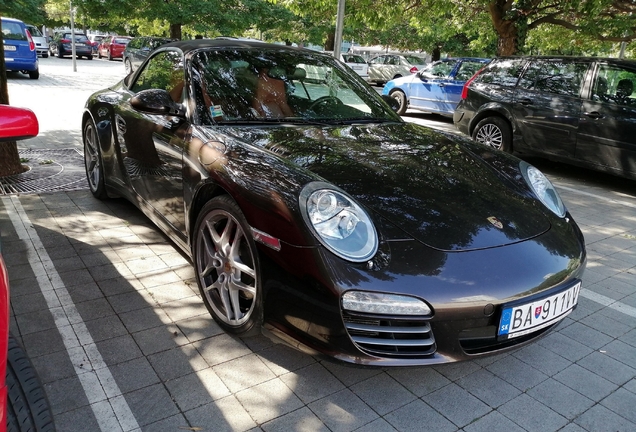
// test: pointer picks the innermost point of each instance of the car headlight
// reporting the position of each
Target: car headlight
(340, 224)
(543, 188)
(383, 304)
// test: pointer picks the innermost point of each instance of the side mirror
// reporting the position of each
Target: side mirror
(156, 101)
(17, 123)
(393, 103)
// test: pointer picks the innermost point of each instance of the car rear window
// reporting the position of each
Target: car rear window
(35, 32)
(12, 31)
(78, 38)
(121, 41)
(414, 60)
(503, 72)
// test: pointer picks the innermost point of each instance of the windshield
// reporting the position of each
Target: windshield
(261, 85)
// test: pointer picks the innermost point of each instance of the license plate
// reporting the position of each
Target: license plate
(356, 67)
(530, 317)
(10, 48)
(79, 44)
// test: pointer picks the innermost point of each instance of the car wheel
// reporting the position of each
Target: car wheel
(397, 76)
(227, 267)
(128, 66)
(99, 54)
(494, 132)
(27, 406)
(45, 55)
(110, 56)
(90, 57)
(93, 161)
(59, 54)
(401, 98)
(34, 74)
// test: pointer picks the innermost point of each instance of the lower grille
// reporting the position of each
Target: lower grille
(390, 337)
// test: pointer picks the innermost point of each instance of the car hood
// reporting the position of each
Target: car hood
(431, 186)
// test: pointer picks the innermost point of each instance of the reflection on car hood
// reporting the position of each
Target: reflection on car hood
(430, 186)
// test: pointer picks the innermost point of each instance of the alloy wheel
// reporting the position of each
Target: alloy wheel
(491, 135)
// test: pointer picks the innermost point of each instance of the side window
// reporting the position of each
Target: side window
(163, 71)
(443, 69)
(615, 85)
(392, 60)
(467, 70)
(558, 77)
(502, 72)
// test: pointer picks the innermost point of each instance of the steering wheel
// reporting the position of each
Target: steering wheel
(324, 99)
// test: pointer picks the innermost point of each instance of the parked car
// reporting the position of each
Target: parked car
(23, 402)
(386, 67)
(20, 54)
(95, 40)
(41, 41)
(112, 47)
(138, 50)
(436, 88)
(579, 110)
(312, 211)
(61, 45)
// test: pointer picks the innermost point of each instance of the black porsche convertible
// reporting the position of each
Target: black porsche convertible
(313, 213)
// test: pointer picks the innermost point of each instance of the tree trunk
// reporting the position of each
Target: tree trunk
(331, 41)
(175, 31)
(506, 29)
(9, 157)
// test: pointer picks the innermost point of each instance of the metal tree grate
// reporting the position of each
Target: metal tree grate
(50, 170)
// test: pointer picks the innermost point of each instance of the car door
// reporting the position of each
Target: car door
(428, 92)
(607, 130)
(375, 69)
(547, 105)
(153, 144)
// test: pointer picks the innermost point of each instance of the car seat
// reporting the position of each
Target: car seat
(624, 90)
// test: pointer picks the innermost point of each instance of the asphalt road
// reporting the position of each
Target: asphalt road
(108, 311)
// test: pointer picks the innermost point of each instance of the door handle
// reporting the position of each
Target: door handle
(525, 101)
(594, 114)
(442, 85)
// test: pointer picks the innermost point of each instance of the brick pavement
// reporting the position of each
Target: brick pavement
(109, 313)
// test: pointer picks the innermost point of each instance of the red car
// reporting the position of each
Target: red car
(113, 47)
(27, 408)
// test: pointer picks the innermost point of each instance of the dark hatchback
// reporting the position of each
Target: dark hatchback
(313, 212)
(578, 110)
(62, 45)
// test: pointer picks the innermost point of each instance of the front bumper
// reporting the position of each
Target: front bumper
(467, 292)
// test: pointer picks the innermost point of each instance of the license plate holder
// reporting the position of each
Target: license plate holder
(10, 48)
(534, 315)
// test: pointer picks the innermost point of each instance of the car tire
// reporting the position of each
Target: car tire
(93, 161)
(99, 55)
(227, 267)
(27, 406)
(397, 76)
(128, 67)
(34, 74)
(45, 55)
(110, 56)
(59, 53)
(399, 96)
(90, 57)
(494, 132)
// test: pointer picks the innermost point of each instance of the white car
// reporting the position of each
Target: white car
(41, 41)
(384, 68)
(357, 63)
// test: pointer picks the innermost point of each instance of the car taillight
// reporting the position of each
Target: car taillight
(413, 69)
(465, 89)
(30, 39)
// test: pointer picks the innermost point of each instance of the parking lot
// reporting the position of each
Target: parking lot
(108, 311)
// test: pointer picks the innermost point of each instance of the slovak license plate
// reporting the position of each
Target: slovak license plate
(79, 44)
(527, 318)
(10, 48)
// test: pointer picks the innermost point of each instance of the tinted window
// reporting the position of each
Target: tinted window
(558, 77)
(414, 60)
(350, 58)
(614, 84)
(377, 60)
(12, 31)
(121, 41)
(503, 72)
(164, 71)
(468, 69)
(135, 43)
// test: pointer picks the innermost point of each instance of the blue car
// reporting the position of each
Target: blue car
(436, 88)
(20, 54)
